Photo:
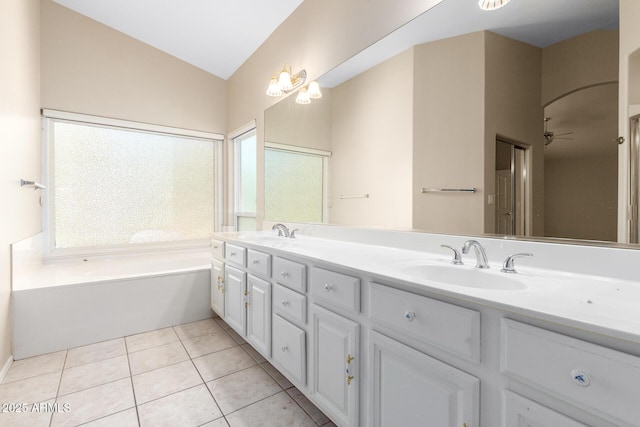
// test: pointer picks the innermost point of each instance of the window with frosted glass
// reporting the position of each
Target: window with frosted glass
(293, 186)
(115, 187)
(245, 152)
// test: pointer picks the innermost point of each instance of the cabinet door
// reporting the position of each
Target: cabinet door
(217, 287)
(521, 412)
(259, 314)
(334, 365)
(408, 387)
(235, 289)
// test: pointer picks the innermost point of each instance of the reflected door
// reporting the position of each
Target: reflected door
(510, 189)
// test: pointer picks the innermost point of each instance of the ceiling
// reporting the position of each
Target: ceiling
(214, 35)
(219, 35)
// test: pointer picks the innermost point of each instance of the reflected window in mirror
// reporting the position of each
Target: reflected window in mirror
(245, 181)
(295, 184)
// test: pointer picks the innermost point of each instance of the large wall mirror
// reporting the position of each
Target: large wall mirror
(468, 122)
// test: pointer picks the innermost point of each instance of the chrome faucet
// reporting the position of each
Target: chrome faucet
(282, 230)
(508, 266)
(481, 255)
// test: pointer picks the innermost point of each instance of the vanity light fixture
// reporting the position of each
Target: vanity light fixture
(285, 81)
(492, 4)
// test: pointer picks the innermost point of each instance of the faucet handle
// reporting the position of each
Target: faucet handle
(457, 257)
(292, 233)
(508, 266)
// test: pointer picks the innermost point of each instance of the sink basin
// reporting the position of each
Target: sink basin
(467, 277)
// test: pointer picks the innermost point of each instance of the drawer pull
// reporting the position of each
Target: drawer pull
(581, 378)
(285, 348)
(328, 287)
(409, 316)
(233, 254)
(284, 274)
(285, 302)
(256, 261)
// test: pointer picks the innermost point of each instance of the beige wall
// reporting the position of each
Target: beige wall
(372, 139)
(319, 35)
(572, 210)
(581, 61)
(19, 140)
(90, 68)
(448, 125)
(513, 111)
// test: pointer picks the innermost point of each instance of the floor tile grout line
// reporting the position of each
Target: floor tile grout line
(55, 399)
(133, 390)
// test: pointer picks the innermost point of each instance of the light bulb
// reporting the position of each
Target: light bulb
(285, 81)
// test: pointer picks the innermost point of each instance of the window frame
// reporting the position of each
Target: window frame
(233, 137)
(50, 117)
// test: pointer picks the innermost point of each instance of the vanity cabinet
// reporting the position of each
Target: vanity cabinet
(408, 387)
(217, 287)
(335, 376)
(235, 291)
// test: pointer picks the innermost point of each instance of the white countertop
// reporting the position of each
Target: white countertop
(595, 303)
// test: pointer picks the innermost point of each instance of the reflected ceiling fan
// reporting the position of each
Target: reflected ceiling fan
(549, 136)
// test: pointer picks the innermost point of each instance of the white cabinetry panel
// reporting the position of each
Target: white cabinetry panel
(335, 377)
(217, 287)
(259, 314)
(409, 388)
(602, 381)
(235, 282)
(521, 412)
(289, 349)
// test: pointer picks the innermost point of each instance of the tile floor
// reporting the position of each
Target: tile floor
(196, 374)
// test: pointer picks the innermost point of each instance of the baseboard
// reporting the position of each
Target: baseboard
(5, 368)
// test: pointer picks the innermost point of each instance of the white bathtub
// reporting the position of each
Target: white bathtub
(64, 304)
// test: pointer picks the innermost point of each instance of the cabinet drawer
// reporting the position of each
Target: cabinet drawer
(600, 380)
(289, 348)
(446, 326)
(259, 263)
(235, 254)
(217, 248)
(289, 273)
(290, 304)
(338, 289)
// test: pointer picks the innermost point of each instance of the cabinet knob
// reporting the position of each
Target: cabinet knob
(285, 302)
(256, 261)
(233, 254)
(284, 274)
(409, 316)
(215, 247)
(580, 377)
(285, 348)
(328, 287)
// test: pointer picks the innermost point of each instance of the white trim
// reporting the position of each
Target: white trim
(242, 129)
(296, 149)
(5, 368)
(97, 120)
